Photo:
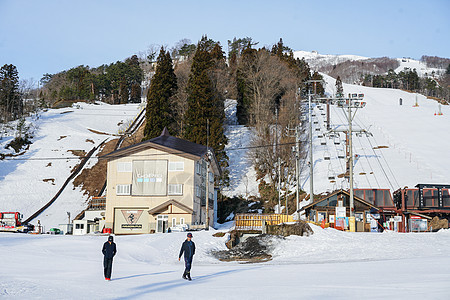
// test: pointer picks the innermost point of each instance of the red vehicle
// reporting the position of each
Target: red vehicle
(11, 221)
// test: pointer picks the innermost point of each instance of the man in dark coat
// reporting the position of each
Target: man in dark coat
(109, 250)
(188, 248)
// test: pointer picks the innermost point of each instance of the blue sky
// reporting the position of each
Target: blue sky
(50, 36)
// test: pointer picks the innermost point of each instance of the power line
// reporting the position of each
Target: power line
(146, 155)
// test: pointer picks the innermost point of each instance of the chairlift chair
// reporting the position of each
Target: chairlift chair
(323, 141)
(341, 153)
(337, 140)
(331, 175)
(327, 156)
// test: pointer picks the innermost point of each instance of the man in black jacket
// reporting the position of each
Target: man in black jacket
(188, 248)
(109, 250)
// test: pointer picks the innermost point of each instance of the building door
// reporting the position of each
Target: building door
(163, 223)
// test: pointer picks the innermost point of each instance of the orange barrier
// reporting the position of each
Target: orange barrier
(255, 221)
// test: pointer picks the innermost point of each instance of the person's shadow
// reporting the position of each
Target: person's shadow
(141, 275)
(169, 284)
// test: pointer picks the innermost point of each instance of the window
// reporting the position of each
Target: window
(211, 177)
(211, 196)
(175, 189)
(197, 191)
(198, 167)
(181, 221)
(176, 166)
(79, 226)
(123, 189)
(124, 167)
(174, 222)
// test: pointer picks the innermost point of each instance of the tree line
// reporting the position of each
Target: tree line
(116, 83)
(409, 80)
(187, 96)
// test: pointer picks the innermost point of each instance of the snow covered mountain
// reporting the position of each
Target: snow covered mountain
(29, 181)
(316, 60)
(326, 63)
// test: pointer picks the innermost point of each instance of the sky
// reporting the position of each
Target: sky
(47, 36)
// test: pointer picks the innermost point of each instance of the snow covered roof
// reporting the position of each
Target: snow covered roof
(164, 205)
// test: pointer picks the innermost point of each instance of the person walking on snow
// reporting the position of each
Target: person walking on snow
(109, 250)
(188, 248)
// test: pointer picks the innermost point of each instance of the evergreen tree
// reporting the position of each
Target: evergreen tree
(135, 95)
(160, 112)
(319, 87)
(339, 88)
(123, 91)
(10, 101)
(205, 102)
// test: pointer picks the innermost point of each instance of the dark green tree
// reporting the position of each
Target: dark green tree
(135, 94)
(205, 102)
(160, 112)
(123, 91)
(10, 100)
(339, 88)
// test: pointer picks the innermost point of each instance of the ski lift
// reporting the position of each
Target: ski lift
(323, 114)
(317, 128)
(331, 175)
(320, 136)
(313, 114)
(316, 122)
(327, 156)
(337, 140)
(323, 141)
(341, 153)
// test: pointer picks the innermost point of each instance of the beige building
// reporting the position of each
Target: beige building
(159, 183)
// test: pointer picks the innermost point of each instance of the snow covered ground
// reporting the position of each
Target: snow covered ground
(29, 181)
(242, 174)
(421, 68)
(327, 265)
(414, 142)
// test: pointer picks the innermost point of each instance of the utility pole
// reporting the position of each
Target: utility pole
(352, 205)
(278, 161)
(311, 161)
(297, 169)
(207, 174)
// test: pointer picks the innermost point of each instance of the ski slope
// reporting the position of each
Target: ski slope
(409, 145)
(327, 265)
(421, 68)
(29, 181)
(242, 173)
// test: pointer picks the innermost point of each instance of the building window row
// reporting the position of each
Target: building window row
(125, 189)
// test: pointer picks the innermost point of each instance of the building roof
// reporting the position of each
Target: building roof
(170, 144)
(341, 191)
(164, 205)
